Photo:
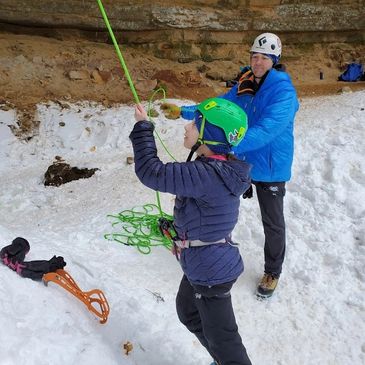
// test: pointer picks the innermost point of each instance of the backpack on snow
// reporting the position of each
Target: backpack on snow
(353, 72)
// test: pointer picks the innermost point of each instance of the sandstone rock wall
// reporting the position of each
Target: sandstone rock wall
(189, 30)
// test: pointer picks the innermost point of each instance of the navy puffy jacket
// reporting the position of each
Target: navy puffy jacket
(206, 208)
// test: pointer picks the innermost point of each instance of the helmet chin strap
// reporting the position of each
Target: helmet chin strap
(199, 142)
(194, 149)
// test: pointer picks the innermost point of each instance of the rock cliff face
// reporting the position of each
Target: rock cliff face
(191, 30)
(61, 51)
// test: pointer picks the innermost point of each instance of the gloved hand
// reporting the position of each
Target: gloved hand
(248, 194)
(36, 269)
(246, 84)
(171, 111)
(15, 253)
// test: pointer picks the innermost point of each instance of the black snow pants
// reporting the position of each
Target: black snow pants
(271, 199)
(207, 312)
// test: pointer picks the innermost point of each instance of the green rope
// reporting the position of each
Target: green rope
(149, 115)
(119, 53)
(139, 228)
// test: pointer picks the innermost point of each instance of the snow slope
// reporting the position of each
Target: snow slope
(317, 315)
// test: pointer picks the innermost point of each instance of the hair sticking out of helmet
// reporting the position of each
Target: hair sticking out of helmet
(269, 44)
(221, 124)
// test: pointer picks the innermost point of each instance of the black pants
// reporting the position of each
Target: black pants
(271, 200)
(207, 312)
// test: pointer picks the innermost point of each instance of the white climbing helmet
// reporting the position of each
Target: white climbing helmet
(267, 43)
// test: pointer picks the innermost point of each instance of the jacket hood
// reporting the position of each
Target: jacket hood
(235, 174)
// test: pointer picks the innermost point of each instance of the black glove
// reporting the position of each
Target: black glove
(246, 84)
(36, 269)
(15, 253)
(248, 194)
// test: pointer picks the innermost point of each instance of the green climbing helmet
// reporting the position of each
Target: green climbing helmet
(227, 116)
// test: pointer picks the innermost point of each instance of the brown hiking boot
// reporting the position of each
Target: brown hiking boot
(267, 286)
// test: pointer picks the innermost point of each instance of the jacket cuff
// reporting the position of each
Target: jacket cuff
(143, 125)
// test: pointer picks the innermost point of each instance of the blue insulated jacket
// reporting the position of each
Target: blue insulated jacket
(269, 143)
(206, 208)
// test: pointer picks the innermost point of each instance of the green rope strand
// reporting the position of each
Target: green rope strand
(139, 228)
(125, 69)
(117, 49)
(149, 115)
(159, 138)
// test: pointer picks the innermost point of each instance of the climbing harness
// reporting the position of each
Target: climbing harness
(140, 227)
(94, 300)
(197, 243)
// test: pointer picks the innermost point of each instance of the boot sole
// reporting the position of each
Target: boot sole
(261, 297)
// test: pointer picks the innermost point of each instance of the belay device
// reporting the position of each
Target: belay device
(167, 228)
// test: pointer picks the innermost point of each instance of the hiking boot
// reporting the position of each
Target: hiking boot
(267, 286)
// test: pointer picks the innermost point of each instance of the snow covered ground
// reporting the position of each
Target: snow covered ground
(317, 315)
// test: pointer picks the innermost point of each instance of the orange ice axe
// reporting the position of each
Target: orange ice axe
(94, 300)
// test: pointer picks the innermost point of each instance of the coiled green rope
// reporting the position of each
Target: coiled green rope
(139, 227)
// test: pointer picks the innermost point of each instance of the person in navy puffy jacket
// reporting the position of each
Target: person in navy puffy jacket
(268, 96)
(208, 192)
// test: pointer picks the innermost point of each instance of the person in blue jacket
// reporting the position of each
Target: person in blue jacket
(268, 96)
(208, 192)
